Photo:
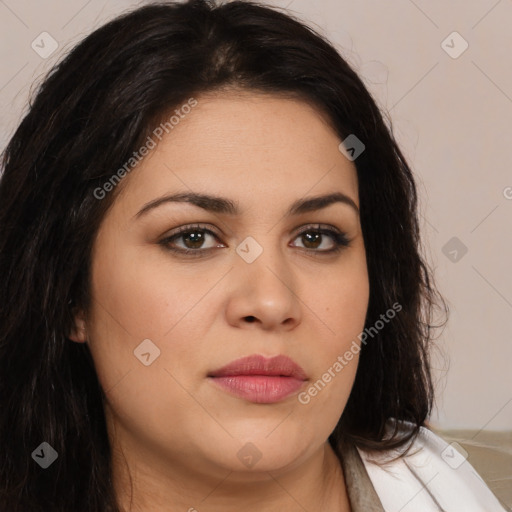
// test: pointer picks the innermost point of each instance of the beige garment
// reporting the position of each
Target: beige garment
(361, 493)
(490, 453)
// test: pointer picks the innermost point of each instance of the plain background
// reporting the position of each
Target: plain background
(450, 113)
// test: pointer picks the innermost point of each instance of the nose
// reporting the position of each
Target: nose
(263, 294)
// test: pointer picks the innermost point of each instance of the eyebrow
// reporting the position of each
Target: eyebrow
(227, 206)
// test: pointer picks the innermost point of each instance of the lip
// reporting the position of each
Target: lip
(259, 379)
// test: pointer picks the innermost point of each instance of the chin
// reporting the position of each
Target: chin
(266, 451)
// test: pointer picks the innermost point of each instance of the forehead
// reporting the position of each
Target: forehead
(249, 146)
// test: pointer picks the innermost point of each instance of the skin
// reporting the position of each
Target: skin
(176, 432)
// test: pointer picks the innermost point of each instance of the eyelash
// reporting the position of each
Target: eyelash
(339, 238)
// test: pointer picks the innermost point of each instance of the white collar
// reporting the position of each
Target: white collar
(433, 477)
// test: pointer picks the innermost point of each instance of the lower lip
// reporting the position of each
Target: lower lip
(261, 389)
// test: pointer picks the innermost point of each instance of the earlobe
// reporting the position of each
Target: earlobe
(78, 332)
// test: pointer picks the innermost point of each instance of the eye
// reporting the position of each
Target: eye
(193, 240)
(313, 238)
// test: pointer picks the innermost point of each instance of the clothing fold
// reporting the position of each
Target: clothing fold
(432, 477)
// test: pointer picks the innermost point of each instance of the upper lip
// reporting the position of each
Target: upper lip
(259, 365)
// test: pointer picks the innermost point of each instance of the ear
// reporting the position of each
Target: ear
(78, 331)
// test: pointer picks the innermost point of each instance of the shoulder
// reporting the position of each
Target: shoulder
(432, 476)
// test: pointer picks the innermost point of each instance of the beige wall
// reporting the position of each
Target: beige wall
(453, 119)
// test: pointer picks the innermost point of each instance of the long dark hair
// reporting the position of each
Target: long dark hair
(91, 112)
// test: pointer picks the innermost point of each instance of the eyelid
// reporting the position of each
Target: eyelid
(207, 228)
(317, 226)
(190, 227)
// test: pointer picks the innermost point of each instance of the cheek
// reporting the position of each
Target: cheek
(340, 298)
(140, 296)
(149, 403)
(145, 294)
(133, 317)
(324, 400)
(336, 356)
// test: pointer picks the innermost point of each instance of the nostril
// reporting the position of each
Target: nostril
(250, 318)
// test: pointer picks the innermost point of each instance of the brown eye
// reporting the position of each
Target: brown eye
(192, 240)
(313, 238)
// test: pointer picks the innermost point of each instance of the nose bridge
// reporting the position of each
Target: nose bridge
(261, 234)
(263, 258)
(267, 287)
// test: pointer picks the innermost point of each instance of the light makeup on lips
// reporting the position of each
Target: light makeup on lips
(260, 380)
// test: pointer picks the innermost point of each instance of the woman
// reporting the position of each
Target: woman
(213, 291)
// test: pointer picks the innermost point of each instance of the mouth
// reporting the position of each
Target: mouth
(260, 380)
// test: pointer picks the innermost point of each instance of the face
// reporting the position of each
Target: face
(254, 275)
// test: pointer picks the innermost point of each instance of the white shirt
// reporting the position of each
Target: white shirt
(432, 477)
